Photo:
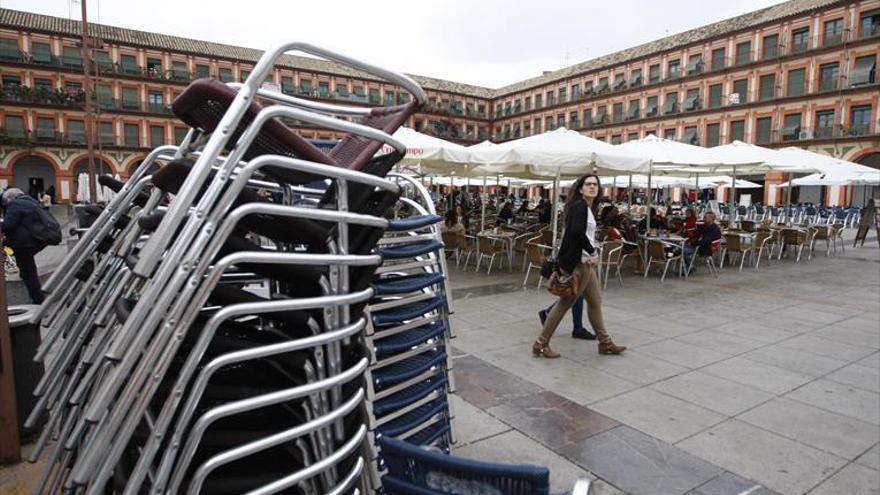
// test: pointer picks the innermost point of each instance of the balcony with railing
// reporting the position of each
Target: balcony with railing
(42, 96)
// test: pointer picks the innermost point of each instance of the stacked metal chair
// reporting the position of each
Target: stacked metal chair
(410, 372)
(173, 372)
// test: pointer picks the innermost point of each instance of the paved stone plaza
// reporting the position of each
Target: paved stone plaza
(752, 383)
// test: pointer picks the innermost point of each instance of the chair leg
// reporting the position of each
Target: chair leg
(528, 271)
(491, 260)
(742, 260)
(648, 266)
(619, 276)
(665, 267)
(479, 260)
(607, 272)
(723, 255)
(540, 280)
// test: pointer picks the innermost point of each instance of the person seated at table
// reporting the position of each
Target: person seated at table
(462, 214)
(506, 213)
(606, 212)
(453, 222)
(689, 227)
(546, 214)
(706, 234)
(657, 222)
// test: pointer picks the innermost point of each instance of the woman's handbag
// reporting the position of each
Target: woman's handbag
(563, 285)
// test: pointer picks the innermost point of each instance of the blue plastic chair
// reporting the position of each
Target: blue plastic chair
(415, 471)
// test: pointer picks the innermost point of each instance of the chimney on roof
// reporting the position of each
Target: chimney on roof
(546, 72)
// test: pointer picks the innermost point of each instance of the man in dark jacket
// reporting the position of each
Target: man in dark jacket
(707, 233)
(20, 215)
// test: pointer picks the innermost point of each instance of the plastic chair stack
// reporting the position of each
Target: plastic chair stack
(207, 337)
(410, 377)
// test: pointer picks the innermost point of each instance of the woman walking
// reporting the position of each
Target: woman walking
(577, 258)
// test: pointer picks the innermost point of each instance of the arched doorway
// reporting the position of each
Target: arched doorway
(34, 174)
(82, 167)
(861, 194)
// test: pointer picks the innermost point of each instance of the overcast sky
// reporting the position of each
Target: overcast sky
(489, 43)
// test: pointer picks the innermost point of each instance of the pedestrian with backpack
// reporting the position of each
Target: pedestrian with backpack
(28, 228)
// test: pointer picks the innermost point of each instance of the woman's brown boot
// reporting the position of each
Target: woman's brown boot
(611, 348)
(541, 349)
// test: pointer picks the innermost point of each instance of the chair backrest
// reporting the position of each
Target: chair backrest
(414, 470)
(547, 237)
(761, 237)
(656, 250)
(461, 241)
(535, 253)
(484, 244)
(733, 242)
(794, 236)
(450, 240)
(612, 251)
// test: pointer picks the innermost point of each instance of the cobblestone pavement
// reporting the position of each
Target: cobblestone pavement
(755, 382)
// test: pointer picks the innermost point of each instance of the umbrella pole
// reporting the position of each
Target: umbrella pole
(451, 204)
(629, 195)
(732, 222)
(485, 198)
(699, 192)
(555, 216)
(650, 196)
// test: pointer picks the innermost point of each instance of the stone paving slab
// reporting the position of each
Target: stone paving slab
(730, 484)
(784, 465)
(659, 415)
(760, 376)
(713, 393)
(840, 435)
(853, 479)
(871, 458)
(552, 419)
(639, 464)
(842, 399)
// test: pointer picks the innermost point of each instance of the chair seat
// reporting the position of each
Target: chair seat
(408, 368)
(413, 418)
(408, 312)
(407, 283)
(405, 341)
(399, 251)
(408, 395)
(413, 223)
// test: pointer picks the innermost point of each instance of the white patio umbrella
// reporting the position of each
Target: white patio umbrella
(674, 157)
(429, 154)
(830, 171)
(556, 154)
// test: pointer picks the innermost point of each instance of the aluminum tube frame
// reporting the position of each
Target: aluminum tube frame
(232, 408)
(346, 450)
(242, 451)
